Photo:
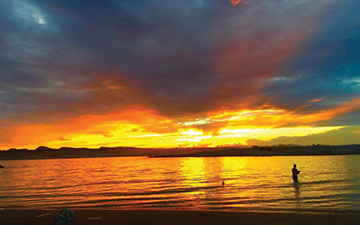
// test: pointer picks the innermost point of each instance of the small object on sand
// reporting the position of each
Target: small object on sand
(64, 217)
(44, 214)
(1, 166)
(95, 218)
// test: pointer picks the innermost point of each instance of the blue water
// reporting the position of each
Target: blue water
(327, 183)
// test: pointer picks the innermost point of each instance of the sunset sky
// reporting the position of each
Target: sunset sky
(186, 73)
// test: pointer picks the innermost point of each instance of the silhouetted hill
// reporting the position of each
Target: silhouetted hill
(278, 151)
(43, 152)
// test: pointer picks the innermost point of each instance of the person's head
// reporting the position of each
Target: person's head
(294, 165)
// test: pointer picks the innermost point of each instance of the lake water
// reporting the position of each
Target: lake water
(327, 183)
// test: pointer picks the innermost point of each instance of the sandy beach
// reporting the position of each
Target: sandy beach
(164, 217)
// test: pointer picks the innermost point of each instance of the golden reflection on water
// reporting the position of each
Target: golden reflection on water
(190, 183)
(193, 170)
(193, 176)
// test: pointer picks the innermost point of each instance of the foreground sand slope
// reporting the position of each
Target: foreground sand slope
(164, 217)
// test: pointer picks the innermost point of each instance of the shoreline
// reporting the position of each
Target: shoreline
(179, 217)
(176, 156)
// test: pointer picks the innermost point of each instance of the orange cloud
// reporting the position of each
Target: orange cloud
(143, 127)
(235, 2)
(100, 126)
(350, 106)
(317, 100)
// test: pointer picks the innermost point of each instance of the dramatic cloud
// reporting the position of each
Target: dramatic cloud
(186, 69)
(343, 136)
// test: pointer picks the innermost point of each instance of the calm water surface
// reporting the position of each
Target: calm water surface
(327, 183)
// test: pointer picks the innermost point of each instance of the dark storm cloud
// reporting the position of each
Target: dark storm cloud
(327, 65)
(80, 38)
(177, 57)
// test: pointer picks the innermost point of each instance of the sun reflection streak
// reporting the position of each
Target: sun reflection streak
(192, 171)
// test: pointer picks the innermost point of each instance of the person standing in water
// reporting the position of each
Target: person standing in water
(295, 173)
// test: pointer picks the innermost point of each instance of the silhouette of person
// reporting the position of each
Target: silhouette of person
(295, 173)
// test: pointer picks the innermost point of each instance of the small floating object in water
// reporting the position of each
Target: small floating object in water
(223, 183)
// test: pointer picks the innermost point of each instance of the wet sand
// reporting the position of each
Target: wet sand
(173, 217)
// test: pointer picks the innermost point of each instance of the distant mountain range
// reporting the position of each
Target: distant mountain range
(43, 152)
